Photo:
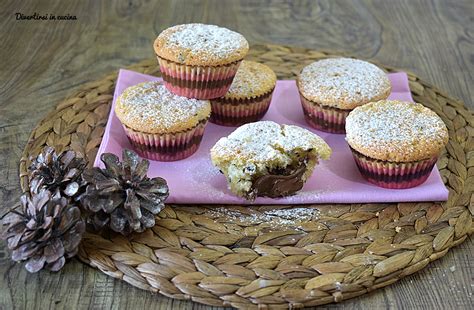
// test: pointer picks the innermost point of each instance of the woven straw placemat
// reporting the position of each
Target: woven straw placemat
(275, 256)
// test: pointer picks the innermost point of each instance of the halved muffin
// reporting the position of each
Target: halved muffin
(268, 159)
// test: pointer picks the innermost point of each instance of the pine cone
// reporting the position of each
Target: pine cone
(45, 232)
(52, 171)
(121, 195)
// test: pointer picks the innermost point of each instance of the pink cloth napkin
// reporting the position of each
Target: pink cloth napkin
(196, 180)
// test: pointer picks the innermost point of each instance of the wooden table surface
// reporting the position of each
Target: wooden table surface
(41, 61)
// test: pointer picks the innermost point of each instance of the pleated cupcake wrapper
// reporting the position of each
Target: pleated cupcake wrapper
(236, 112)
(324, 118)
(394, 175)
(200, 82)
(166, 147)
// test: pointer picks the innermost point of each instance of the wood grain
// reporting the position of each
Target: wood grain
(41, 61)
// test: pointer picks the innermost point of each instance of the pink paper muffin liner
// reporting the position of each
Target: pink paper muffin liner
(394, 175)
(166, 147)
(236, 112)
(324, 118)
(200, 82)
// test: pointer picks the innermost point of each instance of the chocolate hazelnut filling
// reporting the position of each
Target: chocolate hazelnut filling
(280, 182)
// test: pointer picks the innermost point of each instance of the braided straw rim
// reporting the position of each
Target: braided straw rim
(249, 257)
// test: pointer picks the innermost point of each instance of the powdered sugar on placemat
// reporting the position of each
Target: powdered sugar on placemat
(272, 218)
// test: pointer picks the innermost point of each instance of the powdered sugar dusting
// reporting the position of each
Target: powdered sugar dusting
(396, 131)
(213, 41)
(264, 141)
(343, 82)
(252, 79)
(306, 195)
(152, 107)
(207, 181)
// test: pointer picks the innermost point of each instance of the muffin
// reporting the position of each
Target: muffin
(331, 88)
(395, 143)
(159, 124)
(268, 159)
(248, 98)
(198, 60)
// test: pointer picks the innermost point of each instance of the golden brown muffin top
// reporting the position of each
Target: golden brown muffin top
(264, 141)
(343, 83)
(201, 45)
(396, 131)
(149, 107)
(253, 79)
